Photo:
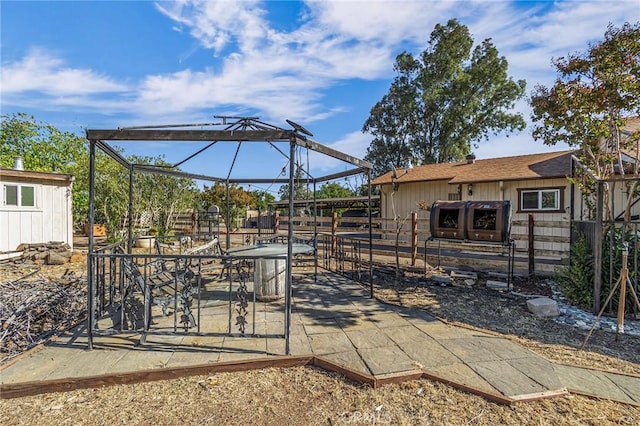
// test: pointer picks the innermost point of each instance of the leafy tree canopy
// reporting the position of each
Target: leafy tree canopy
(42, 146)
(441, 103)
(300, 188)
(262, 199)
(587, 107)
(45, 148)
(333, 190)
(239, 199)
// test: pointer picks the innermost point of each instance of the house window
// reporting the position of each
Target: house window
(542, 199)
(19, 195)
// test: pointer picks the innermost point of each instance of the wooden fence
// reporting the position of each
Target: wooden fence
(540, 246)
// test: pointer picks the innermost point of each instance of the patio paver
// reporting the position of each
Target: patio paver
(327, 321)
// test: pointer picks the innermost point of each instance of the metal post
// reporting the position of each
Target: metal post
(130, 212)
(289, 294)
(315, 232)
(370, 237)
(90, 276)
(227, 219)
(532, 268)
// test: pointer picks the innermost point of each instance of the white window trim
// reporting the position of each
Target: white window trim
(540, 192)
(36, 196)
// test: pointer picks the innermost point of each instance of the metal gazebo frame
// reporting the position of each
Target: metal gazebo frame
(235, 130)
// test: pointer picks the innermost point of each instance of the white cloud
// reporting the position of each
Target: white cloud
(388, 22)
(342, 40)
(39, 71)
(280, 74)
(217, 24)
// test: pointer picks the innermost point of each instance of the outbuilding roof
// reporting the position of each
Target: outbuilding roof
(29, 175)
(521, 167)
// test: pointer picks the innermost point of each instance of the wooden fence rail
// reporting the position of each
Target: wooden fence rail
(538, 248)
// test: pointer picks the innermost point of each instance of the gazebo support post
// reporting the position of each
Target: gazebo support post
(370, 236)
(289, 292)
(130, 213)
(315, 232)
(90, 274)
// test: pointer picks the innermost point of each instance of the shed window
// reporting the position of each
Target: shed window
(19, 195)
(544, 199)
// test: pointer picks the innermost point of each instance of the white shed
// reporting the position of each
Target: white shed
(35, 208)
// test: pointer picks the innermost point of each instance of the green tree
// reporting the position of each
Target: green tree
(158, 197)
(45, 148)
(239, 200)
(300, 188)
(333, 190)
(444, 102)
(111, 195)
(262, 199)
(42, 146)
(587, 108)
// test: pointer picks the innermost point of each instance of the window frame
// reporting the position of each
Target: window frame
(560, 198)
(19, 196)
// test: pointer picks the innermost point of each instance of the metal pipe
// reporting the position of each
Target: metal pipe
(315, 232)
(228, 239)
(292, 153)
(370, 237)
(90, 277)
(130, 212)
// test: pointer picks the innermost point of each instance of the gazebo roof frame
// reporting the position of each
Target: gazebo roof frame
(239, 130)
(235, 129)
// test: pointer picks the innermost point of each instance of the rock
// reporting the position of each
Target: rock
(442, 279)
(498, 285)
(543, 307)
(470, 282)
(464, 275)
(56, 259)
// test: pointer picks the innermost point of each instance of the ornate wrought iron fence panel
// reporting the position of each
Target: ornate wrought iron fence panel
(344, 255)
(144, 292)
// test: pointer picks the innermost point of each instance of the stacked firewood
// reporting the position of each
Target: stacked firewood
(33, 310)
(51, 253)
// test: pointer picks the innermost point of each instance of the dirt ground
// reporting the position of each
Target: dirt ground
(310, 396)
(506, 313)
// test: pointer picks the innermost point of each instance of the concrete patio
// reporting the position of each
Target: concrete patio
(334, 325)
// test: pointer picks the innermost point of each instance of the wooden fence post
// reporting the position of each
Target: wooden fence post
(532, 266)
(597, 247)
(334, 230)
(276, 221)
(414, 237)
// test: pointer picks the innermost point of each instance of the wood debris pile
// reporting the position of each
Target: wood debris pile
(35, 310)
(51, 253)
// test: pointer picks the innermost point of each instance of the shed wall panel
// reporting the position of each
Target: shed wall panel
(49, 220)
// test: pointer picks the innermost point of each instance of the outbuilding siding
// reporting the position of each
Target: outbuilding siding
(49, 220)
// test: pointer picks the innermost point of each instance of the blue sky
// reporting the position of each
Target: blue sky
(324, 64)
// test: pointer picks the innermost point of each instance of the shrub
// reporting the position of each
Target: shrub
(575, 278)
(612, 248)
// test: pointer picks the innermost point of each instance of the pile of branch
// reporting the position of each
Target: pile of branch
(33, 311)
